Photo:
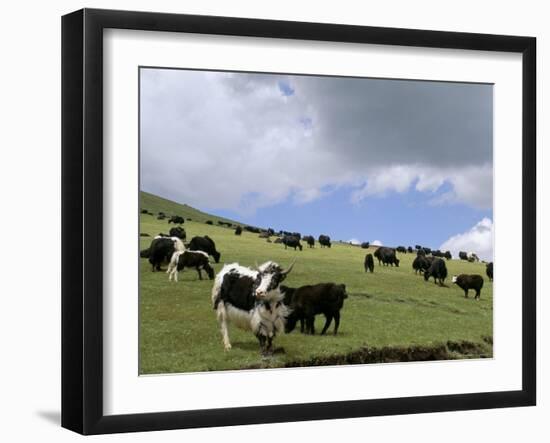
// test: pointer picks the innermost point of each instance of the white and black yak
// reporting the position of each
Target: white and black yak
(437, 270)
(308, 301)
(205, 244)
(251, 299)
(467, 282)
(189, 259)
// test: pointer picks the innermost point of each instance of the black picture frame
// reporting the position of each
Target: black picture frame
(82, 218)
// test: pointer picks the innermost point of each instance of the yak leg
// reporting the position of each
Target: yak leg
(222, 320)
(465, 293)
(336, 321)
(269, 349)
(310, 325)
(199, 271)
(478, 294)
(327, 324)
(302, 325)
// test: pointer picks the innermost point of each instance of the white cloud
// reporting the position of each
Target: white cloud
(377, 243)
(236, 141)
(478, 239)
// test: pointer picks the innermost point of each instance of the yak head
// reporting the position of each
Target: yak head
(270, 275)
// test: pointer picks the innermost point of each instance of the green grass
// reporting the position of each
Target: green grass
(157, 204)
(389, 315)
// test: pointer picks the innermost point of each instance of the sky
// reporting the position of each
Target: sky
(396, 162)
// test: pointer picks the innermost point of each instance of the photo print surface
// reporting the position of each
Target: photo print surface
(302, 220)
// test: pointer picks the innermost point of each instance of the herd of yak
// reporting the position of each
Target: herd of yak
(254, 298)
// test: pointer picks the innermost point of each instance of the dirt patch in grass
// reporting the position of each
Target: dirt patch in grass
(393, 354)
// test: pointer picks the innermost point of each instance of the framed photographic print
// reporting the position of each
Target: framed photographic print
(269, 221)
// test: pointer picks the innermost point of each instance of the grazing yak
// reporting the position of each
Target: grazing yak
(306, 302)
(252, 229)
(189, 259)
(410, 250)
(252, 300)
(369, 263)
(309, 240)
(467, 282)
(463, 255)
(420, 264)
(472, 257)
(489, 271)
(161, 250)
(178, 232)
(161, 217)
(365, 245)
(209, 222)
(448, 255)
(264, 234)
(178, 220)
(292, 241)
(401, 249)
(324, 240)
(144, 234)
(437, 270)
(420, 252)
(205, 244)
(278, 240)
(386, 256)
(238, 230)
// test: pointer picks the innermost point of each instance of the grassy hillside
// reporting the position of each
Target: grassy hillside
(391, 315)
(157, 204)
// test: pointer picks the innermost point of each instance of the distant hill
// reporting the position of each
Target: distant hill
(156, 204)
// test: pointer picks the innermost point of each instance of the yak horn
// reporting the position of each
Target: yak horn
(287, 271)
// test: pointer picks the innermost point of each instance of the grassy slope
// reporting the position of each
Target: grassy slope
(390, 308)
(156, 204)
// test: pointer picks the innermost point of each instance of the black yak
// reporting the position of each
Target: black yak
(309, 240)
(437, 270)
(178, 232)
(306, 302)
(176, 219)
(324, 240)
(292, 241)
(369, 263)
(420, 264)
(489, 271)
(467, 282)
(161, 250)
(205, 244)
(386, 256)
